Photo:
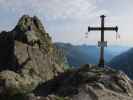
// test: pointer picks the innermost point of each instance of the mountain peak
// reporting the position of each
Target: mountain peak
(27, 23)
(30, 30)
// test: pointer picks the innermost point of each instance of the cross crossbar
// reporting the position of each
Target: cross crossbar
(105, 29)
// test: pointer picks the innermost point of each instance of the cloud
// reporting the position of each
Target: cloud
(52, 9)
(67, 20)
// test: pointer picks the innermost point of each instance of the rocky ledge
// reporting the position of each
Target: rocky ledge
(87, 83)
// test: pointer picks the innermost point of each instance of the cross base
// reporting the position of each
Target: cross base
(101, 63)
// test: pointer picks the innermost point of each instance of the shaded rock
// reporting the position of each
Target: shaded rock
(7, 56)
(50, 97)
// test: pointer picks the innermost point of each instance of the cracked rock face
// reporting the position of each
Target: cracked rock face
(28, 56)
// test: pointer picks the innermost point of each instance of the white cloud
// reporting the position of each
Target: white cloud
(51, 8)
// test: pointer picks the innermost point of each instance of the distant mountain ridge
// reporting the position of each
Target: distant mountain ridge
(81, 54)
(124, 62)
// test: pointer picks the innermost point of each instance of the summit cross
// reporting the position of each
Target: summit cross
(102, 43)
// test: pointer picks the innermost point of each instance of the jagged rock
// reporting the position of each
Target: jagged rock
(28, 55)
(31, 31)
(89, 83)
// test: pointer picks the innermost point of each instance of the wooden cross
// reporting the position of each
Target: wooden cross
(102, 43)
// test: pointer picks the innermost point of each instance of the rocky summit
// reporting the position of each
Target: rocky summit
(33, 68)
(88, 82)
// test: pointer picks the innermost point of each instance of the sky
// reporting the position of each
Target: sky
(68, 20)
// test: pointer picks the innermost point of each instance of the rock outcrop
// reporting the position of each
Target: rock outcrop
(88, 83)
(27, 56)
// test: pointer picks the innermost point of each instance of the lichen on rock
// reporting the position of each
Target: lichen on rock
(15, 83)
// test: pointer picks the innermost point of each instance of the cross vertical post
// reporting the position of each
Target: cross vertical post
(101, 61)
(102, 43)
